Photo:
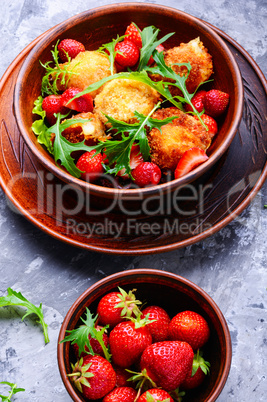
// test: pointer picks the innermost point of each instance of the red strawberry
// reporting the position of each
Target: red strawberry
(90, 165)
(160, 48)
(210, 123)
(97, 348)
(132, 33)
(155, 395)
(128, 53)
(196, 376)
(135, 159)
(190, 327)
(167, 363)
(82, 104)
(158, 328)
(122, 376)
(197, 101)
(53, 104)
(215, 102)
(127, 341)
(93, 376)
(146, 174)
(189, 161)
(114, 306)
(122, 394)
(69, 47)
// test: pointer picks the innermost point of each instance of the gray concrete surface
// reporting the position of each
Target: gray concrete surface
(231, 266)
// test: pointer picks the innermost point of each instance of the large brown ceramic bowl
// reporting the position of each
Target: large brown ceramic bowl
(173, 293)
(97, 26)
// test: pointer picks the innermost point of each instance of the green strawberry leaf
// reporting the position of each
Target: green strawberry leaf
(14, 298)
(80, 335)
(198, 361)
(14, 390)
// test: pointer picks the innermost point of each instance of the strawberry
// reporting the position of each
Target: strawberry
(189, 161)
(82, 104)
(160, 48)
(114, 306)
(135, 159)
(146, 174)
(128, 340)
(90, 165)
(210, 123)
(158, 328)
(127, 53)
(69, 47)
(121, 394)
(190, 327)
(97, 348)
(155, 395)
(215, 102)
(197, 101)
(122, 376)
(93, 376)
(196, 376)
(53, 104)
(167, 363)
(133, 34)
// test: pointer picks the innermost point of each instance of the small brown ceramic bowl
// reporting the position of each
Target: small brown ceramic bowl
(174, 294)
(97, 26)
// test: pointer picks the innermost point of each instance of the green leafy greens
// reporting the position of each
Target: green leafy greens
(53, 74)
(118, 151)
(14, 298)
(149, 44)
(14, 390)
(62, 148)
(110, 51)
(80, 335)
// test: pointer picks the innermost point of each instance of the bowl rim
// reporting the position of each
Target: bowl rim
(148, 272)
(130, 194)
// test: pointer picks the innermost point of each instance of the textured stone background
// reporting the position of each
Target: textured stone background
(230, 265)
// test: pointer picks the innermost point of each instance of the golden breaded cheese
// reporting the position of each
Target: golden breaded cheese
(200, 60)
(120, 98)
(183, 133)
(87, 68)
(90, 131)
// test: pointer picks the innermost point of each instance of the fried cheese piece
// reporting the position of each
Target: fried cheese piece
(86, 68)
(120, 98)
(183, 133)
(195, 53)
(91, 131)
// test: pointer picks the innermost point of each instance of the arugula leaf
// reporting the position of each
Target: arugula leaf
(53, 74)
(118, 151)
(111, 53)
(162, 69)
(39, 127)
(62, 148)
(14, 390)
(80, 335)
(149, 44)
(14, 298)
